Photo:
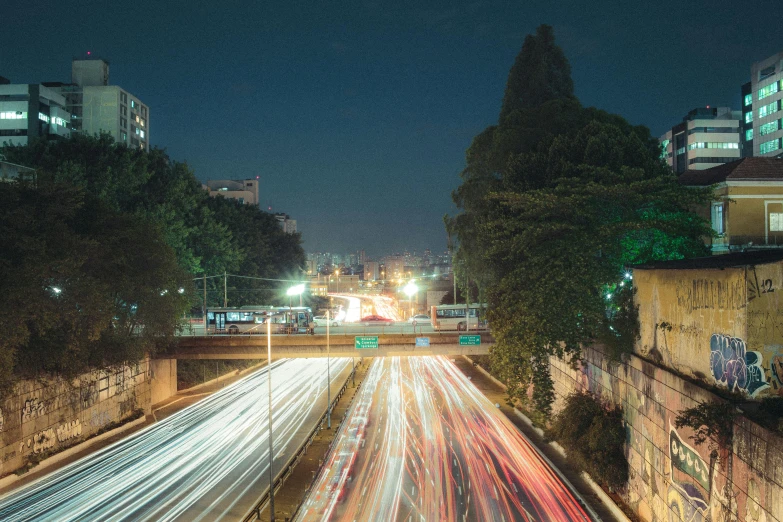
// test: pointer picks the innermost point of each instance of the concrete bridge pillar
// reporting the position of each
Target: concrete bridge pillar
(163, 381)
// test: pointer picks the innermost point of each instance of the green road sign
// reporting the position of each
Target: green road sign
(366, 343)
(468, 340)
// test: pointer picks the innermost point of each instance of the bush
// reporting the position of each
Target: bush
(594, 438)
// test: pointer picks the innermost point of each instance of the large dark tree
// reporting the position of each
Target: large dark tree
(556, 200)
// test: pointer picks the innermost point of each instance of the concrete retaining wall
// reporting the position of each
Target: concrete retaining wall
(670, 477)
(46, 415)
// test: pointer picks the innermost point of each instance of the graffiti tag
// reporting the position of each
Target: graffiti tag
(733, 366)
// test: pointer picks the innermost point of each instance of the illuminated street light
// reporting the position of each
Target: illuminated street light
(410, 290)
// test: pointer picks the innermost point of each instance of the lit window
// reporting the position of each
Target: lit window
(142, 122)
(768, 90)
(717, 218)
(43, 117)
(141, 134)
(748, 99)
(748, 117)
(133, 104)
(713, 145)
(769, 146)
(769, 128)
(748, 134)
(776, 222)
(766, 110)
(13, 115)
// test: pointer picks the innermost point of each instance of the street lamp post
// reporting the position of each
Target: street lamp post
(271, 447)
(410, 290)
(294, 290)
(328, 374)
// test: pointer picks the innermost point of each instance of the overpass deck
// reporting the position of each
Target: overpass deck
(342, 345)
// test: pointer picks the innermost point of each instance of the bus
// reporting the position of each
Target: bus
(253, 320)
(453, 317)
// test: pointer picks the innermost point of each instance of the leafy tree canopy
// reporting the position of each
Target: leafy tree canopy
(555, 201)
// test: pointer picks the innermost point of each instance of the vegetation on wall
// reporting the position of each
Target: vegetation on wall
(594, 438)
(555, 201)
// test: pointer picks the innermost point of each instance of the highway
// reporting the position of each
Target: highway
(207, 462)
(421, 443)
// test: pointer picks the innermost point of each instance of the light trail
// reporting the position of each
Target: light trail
(423, 444)
(207, 462)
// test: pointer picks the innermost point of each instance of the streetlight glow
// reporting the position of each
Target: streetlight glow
(296, 289)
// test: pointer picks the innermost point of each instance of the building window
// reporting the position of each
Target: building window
(13, 115)
(141, 133)
(748, 99)
(713, 145)
(749, 135)
(142, 122)
(776, 221)
(718, 224)
(766, 110)
(123, 97)
(681, 150)
(769, 128)
(144, 111)
(133, 104)
(769, 146)
(124, 136)
(124, 110)
(123, 123)
(767, 90)
(748, 117)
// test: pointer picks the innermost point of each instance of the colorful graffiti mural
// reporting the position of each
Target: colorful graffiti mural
(733, 366)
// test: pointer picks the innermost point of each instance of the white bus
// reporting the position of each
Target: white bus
(459, 317)
(253, 319)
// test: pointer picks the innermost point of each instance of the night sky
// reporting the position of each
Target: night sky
(356, 115)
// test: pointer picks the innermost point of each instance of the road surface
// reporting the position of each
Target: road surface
(421, 443)
(207, 462)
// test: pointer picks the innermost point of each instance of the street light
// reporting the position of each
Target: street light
(328, 374)
(294, 290)
(271, 448)
(410, 290)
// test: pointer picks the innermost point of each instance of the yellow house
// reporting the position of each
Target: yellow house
(747, 212)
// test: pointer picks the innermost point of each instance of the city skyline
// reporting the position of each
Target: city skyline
(356, 118)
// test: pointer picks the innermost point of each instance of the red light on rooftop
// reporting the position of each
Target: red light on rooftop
(89, 53)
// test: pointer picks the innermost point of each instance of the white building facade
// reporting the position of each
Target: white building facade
(706, 138)
(98, 107)
(29, 111)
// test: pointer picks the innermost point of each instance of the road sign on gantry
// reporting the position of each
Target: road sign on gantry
(469, 340)
(365, 342)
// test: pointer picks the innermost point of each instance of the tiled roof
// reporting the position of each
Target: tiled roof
(734, 260)
(745, 169)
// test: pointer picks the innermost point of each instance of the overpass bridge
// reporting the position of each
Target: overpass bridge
(366, 344)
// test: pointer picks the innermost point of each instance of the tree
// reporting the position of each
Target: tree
(84, 286)
(556, 201)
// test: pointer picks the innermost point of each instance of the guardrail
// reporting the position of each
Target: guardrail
(285, 472)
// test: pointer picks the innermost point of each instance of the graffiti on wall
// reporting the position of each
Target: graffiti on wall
(33, 408)
(735, 367)
(700, 294)
(69, 430)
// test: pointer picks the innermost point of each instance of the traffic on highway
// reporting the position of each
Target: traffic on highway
(422, 443)
(207, 462)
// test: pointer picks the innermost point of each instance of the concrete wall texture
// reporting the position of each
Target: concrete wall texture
(670, 477)
(44, 416)
(721, 326)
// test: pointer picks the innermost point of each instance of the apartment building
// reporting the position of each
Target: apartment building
(706, 137)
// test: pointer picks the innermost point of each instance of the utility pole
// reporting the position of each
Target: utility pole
(205, 303)
(225, 290)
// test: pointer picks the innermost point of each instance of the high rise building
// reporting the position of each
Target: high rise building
(98, 107)
(705, 138)
(762, 124)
